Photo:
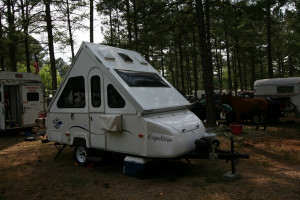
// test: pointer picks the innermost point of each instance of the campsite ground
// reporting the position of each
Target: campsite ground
(28, 171)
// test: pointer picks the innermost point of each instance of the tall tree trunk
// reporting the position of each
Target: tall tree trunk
(253, 78)
(12, 46)
(245, 77)
(171, 68)
(218, 68)
(24, 8)
(195, 65)
(261, 68)
(70, 30)
(227, 57)
(188, 73)
(291, 68)
(1, 44)
(162, 62)
(176, 69)
(51, 46)
(269, 38)
(135, 21)
(234, 72)
(92, 21)
(239, 62)
(111, 27)
(128, 22)
(181, 68)
(206, 65)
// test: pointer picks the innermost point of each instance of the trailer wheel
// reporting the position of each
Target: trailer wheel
(81, 154)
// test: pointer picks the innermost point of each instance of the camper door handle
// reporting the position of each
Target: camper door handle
(72, 116)
(91, 118)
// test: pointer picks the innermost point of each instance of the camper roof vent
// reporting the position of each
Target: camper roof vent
(141, 60)
(125, 57)
(106, 54)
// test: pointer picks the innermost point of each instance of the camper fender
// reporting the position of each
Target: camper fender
(79, 138)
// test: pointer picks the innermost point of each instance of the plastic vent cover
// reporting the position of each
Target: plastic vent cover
(141, 59)
(125, 57)
(106, 54)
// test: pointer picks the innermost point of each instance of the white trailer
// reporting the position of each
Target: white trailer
(112, 99)
(21, 100)
(280, 87)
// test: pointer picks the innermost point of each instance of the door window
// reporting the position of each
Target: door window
(96, 91)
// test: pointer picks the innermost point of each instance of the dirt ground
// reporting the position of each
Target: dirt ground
(28, 171)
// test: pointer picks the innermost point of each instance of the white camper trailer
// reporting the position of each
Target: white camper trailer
(287, 88)
(112, 99)
(21, 100)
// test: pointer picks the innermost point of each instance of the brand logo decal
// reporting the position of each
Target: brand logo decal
(161, 138)
(57, 123)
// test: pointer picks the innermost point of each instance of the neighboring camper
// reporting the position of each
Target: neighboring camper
(22, 99)
(112, 99)
(284, 91)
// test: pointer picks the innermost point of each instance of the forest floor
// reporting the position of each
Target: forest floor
(28, 171)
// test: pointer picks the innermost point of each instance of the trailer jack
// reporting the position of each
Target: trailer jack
(60, 148)
(207, 148)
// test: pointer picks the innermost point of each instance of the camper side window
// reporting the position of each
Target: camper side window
(114, 99)
(96, 91)
(73, 95)
(32, 96)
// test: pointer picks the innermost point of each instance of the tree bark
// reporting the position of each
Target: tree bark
(253, 78)
(24, 8)
(227, 57)
(181, 68)
(12, 46)
(206, 66)
(218, 68)
(1, 45)
(128, 22)
(70, 30)
(51, 46)
(92, 21)
(269, 38)
(195, 66)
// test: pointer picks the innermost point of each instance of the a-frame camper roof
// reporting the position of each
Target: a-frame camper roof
(134, 76)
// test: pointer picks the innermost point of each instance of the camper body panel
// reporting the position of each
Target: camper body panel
(144, 121)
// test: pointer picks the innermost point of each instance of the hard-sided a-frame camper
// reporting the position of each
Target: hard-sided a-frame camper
(21, 100)
(112, 99)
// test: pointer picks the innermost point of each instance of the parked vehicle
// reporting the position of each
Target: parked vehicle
(199, 107)
(22, 100)
(113, 100)
(283, 95)
(246, 94)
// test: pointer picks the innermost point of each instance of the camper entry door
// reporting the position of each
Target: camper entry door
(96, 109)
(32, 102)
(2, 111)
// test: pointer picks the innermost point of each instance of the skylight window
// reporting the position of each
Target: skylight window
(125, 57)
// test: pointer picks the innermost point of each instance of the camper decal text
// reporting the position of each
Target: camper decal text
(159, 138)
(57, 123)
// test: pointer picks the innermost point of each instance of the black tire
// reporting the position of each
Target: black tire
(81, 154)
